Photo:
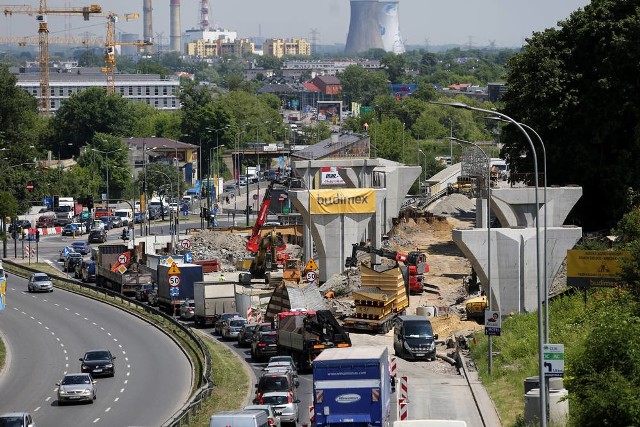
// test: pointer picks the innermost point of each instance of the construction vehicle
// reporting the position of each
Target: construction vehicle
(416, 263)
(269, 261)
(381, 298)
(305, 334)
(475, 306)
(126, 280)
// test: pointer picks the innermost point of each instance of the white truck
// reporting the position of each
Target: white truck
(212, 299)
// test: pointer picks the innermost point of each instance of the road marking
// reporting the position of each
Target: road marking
(121, 390)
(38, 408)
(96, 420)
(108, 409)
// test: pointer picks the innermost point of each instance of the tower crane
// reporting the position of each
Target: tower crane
(110, 48)
(43, 38)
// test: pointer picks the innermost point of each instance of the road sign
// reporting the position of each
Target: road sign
(173, 270)
(122, 269)
(84, 215)
(553, 356)
(311, 276)
(311, 265)
(174, 292)
(492, 323)
(30, 186)
(174, 281)
(123, 259)
(188, 258)
(185, 244)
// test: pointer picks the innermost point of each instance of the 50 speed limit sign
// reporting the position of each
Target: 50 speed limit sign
(174, 281)
(311, 276)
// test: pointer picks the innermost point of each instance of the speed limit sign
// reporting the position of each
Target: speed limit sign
(312, 276)
(174, 281)
(185, 244)
(123, 259)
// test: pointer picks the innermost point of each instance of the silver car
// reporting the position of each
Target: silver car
(40, 282)
(187, 309)
(17, 419)
(231, 328)
(285, 406)
(274, 420)
(76, 388)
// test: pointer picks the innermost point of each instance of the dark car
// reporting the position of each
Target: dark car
(143, 293)
(108, 222)
(275, 382)
(264, 345)
(139, 217)
(81, 247)
(98, 362)
(154, 213)
(116, 221)
(72, 261)
(88, 271)
(220, 321)
(21, 223)
(71, 230)
(97, 236)
(45, 222)
(246, 334)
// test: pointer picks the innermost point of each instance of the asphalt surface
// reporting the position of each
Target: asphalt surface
(46, 334)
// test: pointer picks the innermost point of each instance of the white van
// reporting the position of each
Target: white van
(125, 214)
(247, 418)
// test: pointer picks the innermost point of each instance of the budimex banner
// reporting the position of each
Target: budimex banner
(353, 200)
(594, 268)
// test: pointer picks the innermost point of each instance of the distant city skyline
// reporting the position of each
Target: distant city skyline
(502, 23)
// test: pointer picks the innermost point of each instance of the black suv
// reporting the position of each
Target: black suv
(276, 382)
(21, 223)
(97, 236)
(264, 345)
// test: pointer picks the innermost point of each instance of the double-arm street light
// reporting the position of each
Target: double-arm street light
(541, 372)
(106, 160)
(544, 210)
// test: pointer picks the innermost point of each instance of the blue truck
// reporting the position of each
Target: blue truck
(187, 276)
(352, 386)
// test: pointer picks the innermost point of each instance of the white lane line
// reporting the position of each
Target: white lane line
(37, 409)
(96, 420)
(108, 409)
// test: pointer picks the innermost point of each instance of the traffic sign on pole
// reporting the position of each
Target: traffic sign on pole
(174, 281)
(30, 186)
(185, 244)
(311, 276)
(553, 355)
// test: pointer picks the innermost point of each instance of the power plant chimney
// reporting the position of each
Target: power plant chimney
(174, 25)
(147, 24)
(374, 25)
(204, 15)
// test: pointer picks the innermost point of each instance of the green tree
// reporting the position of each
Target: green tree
(395, 66)
(577, 87)
(86, 113)
(360, 85)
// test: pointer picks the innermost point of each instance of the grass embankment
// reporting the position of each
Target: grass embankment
(516, 350)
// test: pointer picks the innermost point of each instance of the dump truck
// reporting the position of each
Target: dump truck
(381, 297)
(304, 334)
(128, 278)
(188, 275)
(211, 300)
(352, 386)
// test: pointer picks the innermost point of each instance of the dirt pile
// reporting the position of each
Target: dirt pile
(226, 247)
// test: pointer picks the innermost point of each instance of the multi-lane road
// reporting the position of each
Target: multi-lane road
(47, 333)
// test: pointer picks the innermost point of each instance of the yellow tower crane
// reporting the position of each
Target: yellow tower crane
(43, 39)
(110, 48)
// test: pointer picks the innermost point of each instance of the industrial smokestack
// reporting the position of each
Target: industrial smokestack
(174, 24)
(374, 25)
(363, 27)
(147, 24)
(390, 26)
(204, 15)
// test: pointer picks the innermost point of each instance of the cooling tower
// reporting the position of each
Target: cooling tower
(389, 25)
(174, 25)
(147, 23)
(374, 25)
(364, 32)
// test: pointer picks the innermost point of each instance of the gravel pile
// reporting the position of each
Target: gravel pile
(226, 247)
(454, 205)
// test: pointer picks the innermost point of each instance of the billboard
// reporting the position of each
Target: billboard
(594, 268)
(329, 111)
(356, 200)
(329, 176)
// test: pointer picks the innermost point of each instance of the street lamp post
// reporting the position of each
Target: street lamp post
(541, 373)
(424, 168)
(403, 126)
(217, 174)
(170, 212)
(544, 210)
(106, 160)
(489, 337)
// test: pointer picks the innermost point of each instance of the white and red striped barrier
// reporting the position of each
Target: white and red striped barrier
(403, 399)
(49, 231)
(312, 415)
(403, 410)
(254, 314)
(404, 388)
(393, 368)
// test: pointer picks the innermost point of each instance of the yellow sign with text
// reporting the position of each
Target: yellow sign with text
(355, 200)
(594, 268)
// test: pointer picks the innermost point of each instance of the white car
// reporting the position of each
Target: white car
(18, 419)
(283, 404)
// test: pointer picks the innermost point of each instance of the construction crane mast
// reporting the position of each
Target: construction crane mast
(43, 39)
(110, 48)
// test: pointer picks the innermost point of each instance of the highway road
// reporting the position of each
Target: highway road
(47, 333)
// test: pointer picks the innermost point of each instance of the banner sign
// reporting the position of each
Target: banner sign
(594, 268)
(357, 200)
(330, 176)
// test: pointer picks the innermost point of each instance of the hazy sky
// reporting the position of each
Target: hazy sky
(505, 22)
